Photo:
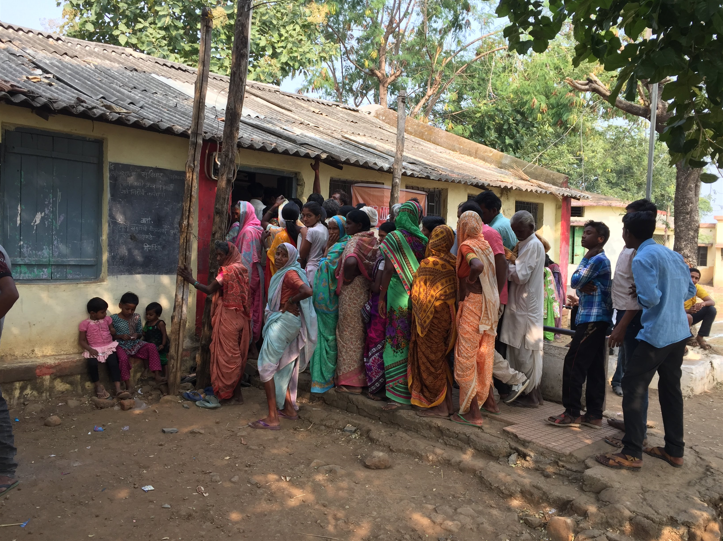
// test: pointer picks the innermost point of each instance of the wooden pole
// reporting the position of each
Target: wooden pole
(227, 173)
(180, 301)
(399, 154)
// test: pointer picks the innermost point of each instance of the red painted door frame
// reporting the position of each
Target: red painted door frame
(206, 202)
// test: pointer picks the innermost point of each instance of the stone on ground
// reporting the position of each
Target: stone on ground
(215, 478)
(378, 461)
(532, 521)
(53, 420)
(332, 469)
(644, 529)
(317, 464)
(616, 515)
(103, 403)
(73, 403)
(600, 477)
(168, 399)
(561, 529)
(127, 404)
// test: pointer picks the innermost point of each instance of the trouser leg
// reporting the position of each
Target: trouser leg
(7, 442)
(149, 352)
(113, 367)
(671, 399)
(595, 388)
(639, 372)
(504, 373)
(574, 370)
(707, 316)
(93, 370)
(631, 343)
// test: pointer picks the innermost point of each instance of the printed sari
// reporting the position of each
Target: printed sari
(434, 294)
(551, 309)
(477, 317)
(289, 340)
(376, 326)
(326, 303)
(280, 237)
(250, 246)
(405, 248)
(231, 325)
(351, 332)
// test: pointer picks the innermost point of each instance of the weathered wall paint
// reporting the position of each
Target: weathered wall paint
(45, 319)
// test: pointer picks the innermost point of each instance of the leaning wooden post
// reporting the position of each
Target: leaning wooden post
(180, 301)
(227, 172)
(399, 154)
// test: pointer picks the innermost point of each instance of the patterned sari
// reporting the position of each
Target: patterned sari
(281, 237)
(434, 294)
(376, 326)
(476, 318)
(326, 303)
(231, 325)
(250, 246)
(551, 309)
(351, 332)
(405, 248)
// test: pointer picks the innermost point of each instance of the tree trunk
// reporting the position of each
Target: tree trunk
(232, 118)
(383, 92)
(685, 210)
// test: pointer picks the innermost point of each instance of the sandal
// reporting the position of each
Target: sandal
(618, 442)
(463, 421)
(210, 403)
(261, 425)
(564, 421)
(193, 396)
(289, 417)
(102, 395)
(659, 452)
(8, 487)
(587, 421)
(123, 395)
(619, 461)
(491, 412)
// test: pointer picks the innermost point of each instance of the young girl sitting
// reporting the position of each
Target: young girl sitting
(95, 338)
(154, 332)
(127, 330)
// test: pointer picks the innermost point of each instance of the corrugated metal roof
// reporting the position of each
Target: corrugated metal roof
(114, 84)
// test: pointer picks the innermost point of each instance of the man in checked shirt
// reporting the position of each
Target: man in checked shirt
(587, 354)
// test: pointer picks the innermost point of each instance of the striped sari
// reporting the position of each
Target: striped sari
(404, 248)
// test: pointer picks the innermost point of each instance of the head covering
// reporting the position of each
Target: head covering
(248, 241)
(334, 236)
(363, 246)
(435, 281)
(235, 280)
(469, 233)
(394, 211)
(408, 219)
(373, 215)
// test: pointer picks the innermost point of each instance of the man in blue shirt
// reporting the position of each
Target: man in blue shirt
(658, 273)
(491, 215)
(585, 360)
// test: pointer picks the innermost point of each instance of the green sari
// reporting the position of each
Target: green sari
(326, 303)
(551, 308)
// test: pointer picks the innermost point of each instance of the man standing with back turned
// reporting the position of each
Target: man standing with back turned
(662, 281)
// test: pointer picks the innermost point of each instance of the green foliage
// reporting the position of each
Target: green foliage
(684, 52)
(285, 38)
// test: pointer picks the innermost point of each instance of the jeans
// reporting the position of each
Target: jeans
(585, 360)
(626, 350)
(707, 316)
(645, 362)
(7, 442)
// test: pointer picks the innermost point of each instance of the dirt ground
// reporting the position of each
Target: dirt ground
(80, 484)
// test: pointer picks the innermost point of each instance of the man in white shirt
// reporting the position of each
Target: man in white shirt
(8, 296)
(522, 326)
(256, 191)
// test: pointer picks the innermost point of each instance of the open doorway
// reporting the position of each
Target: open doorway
(275, 183)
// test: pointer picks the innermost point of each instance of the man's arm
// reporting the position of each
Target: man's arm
(501, 271)
(526, 263)
(646, 283)
(8, 295)
(586, 272)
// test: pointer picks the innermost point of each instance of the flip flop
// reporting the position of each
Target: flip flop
(8, 488)
(208, 390)
(657, 452)
(491, 412)
(561, 421)
(261, 425)
(193, 396)
(289, 417)
(103, 396)
(123, 395)
(463, 422)
(620, 463)
(211, 403)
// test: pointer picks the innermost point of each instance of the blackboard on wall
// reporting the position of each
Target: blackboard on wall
(143, 218)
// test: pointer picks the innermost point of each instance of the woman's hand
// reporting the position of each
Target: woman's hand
(185, 273)
(279, 201)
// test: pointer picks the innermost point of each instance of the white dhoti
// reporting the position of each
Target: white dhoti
(527, 361)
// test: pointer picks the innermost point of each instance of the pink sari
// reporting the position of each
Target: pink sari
(249, 244)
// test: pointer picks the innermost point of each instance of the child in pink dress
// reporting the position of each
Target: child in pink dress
(99, 347)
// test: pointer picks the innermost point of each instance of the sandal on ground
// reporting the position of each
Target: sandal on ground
(490, 411)
(210, 403)
(659, 452)
(8, 487)
(619, 424)
(619, 461)
(102, 395)
(564, 421)
(463, 421)
(123, 395)
(288, 417)
(587, 421)
(193, 396)
(261, 425)
(701, 343)
(347, 390)
(618, 442)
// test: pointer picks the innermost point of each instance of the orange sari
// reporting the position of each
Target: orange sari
(270, 269)
(230, 319)
(476, 317)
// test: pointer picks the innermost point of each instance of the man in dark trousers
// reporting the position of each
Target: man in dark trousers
(662, 284)
(585, 360)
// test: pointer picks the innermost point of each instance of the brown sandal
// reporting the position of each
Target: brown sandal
(659, 452)
(619, 461)
(564, 421)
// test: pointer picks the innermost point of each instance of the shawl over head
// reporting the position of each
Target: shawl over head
(435, 281)
(396, 247)
(364, 246)
(335, 237)
(373, 215)
(235, 285)
(408, 219)
(469, 231)
(248, 240)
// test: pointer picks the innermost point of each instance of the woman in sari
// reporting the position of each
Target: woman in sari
(477, 318)
(434, 294)
(289, 337)
(246, 234)
(289, 233)
(337, 231)
(354, 274)
(376, 325)
(326, 303)
(230, 319)
(551, 309)
(313, 238)
(403, 249)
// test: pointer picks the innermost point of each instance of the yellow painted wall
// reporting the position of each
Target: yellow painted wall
(45, 319)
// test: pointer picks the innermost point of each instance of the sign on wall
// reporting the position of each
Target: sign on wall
(377, 196)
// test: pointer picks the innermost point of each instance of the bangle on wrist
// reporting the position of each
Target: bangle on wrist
(195, 284)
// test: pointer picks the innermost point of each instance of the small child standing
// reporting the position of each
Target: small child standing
(154, 332)
(94, 336)
(127, 330)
